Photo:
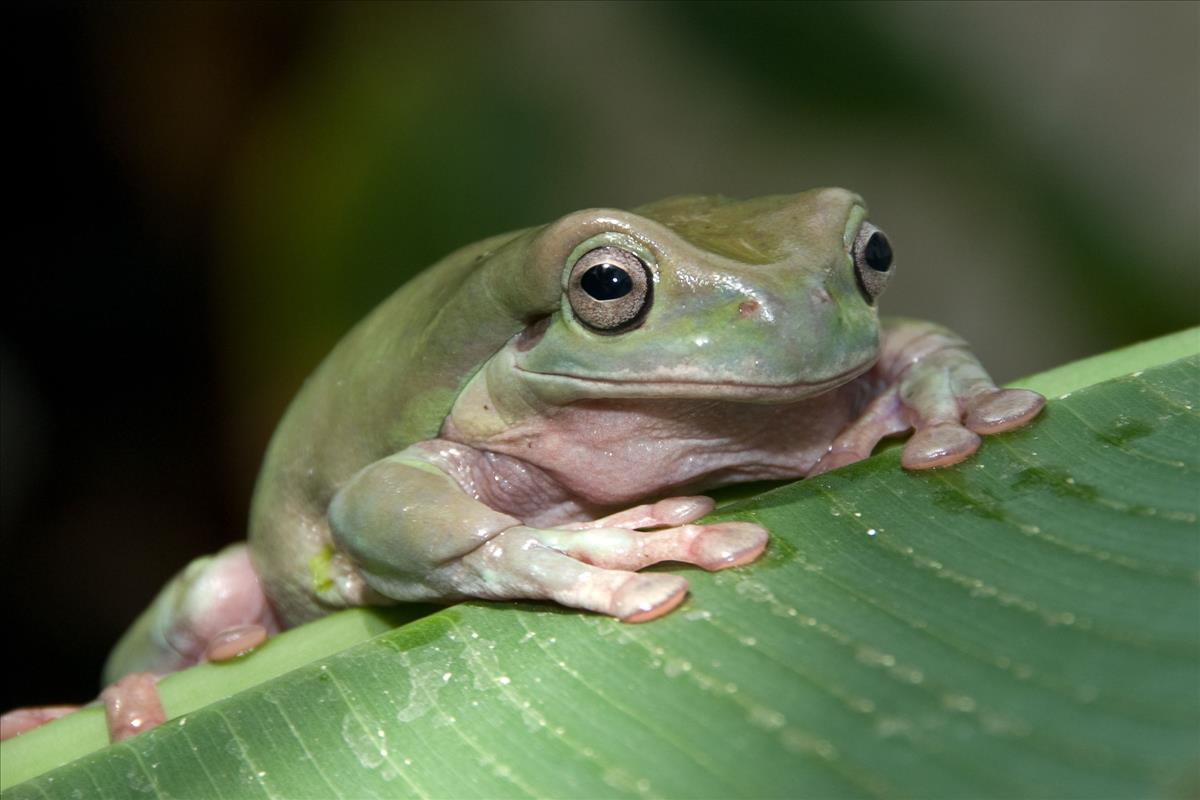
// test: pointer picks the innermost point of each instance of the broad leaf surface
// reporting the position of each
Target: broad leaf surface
(1027, 624)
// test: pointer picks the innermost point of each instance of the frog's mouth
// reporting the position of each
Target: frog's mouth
(589, 386)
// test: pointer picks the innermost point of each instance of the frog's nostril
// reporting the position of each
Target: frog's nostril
(747, 307)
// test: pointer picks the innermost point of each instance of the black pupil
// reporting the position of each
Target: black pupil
(606, 282)
(878, 253)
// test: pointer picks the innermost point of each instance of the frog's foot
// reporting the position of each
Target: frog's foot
(591, 565)
(948, 425)
(214, 610)
(948, 399)
(132, 705)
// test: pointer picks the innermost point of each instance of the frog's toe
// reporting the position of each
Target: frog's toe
(1002, 410)
(236, 641)
(20, 720)
(132, 705)
(646, 597)
(669, 512)
(728, 544)
(680, 510)
(938, 446)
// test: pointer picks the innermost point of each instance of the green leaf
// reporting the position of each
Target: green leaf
(1026, 624)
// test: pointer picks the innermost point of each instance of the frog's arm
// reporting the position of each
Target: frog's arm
(416, 532)
(930, 381)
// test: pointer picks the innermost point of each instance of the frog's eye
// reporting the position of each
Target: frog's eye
(872, 254)
(609, 289)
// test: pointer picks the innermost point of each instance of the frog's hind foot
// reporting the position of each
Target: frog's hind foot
(215, 609)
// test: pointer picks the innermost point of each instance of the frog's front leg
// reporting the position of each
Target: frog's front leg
(415, 534)
(933, 384)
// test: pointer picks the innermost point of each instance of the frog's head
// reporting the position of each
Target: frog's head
(770, 299)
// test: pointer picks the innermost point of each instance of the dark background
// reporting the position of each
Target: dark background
(208, 195)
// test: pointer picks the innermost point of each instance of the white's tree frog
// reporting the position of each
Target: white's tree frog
(535, 416)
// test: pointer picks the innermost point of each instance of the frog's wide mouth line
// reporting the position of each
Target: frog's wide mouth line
(733, 390)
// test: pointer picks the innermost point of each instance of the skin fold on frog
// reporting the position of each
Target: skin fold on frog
(537, 415)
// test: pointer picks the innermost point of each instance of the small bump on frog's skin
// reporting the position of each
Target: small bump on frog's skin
(233, 642)
(132, 705)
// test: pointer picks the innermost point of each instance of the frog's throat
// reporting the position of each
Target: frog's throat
(598, 387)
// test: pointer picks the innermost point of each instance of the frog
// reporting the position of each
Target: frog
(539, 416)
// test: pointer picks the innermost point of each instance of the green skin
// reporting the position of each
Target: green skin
(474, 437)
